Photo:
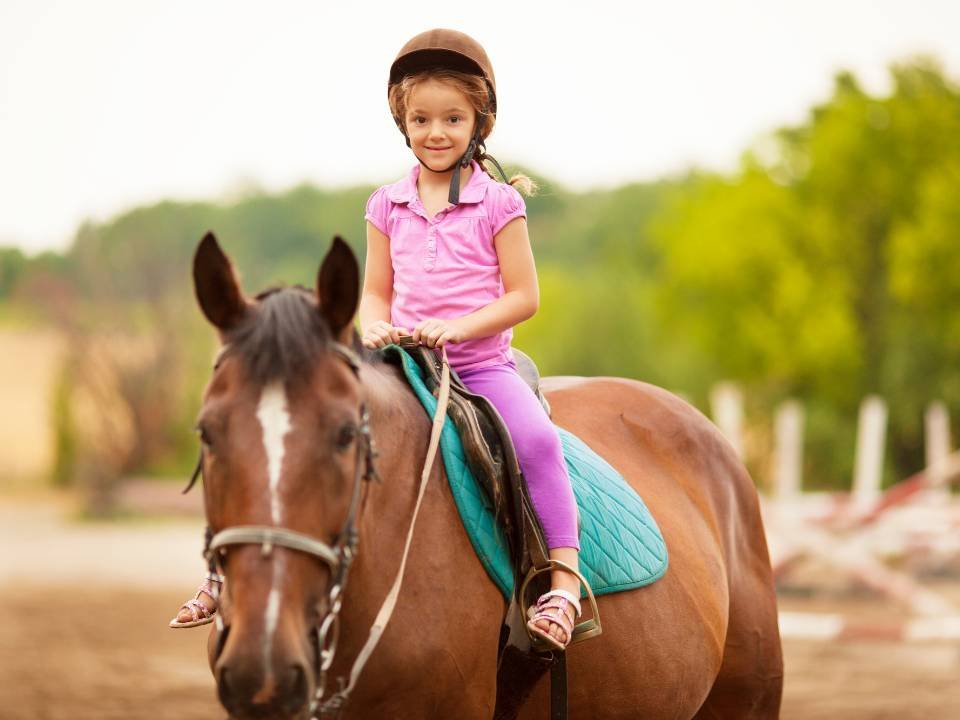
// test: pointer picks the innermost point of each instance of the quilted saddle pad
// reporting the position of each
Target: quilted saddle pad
(621, 547)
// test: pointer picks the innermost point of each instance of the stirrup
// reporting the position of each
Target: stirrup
(585, 630)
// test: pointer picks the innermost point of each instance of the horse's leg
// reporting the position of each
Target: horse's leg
(750, 682)
(656, 660)
(438, 655)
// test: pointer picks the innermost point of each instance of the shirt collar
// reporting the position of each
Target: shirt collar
(405, 190)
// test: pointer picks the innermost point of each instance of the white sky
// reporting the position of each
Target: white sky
(106, 104)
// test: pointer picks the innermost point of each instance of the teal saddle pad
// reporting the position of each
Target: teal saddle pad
(621, 547)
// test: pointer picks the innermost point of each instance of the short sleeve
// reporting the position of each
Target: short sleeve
(504, 204)
(378, 206)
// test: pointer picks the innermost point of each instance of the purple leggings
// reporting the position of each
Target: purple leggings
(538, 448)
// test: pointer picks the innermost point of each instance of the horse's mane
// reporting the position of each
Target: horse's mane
(284, 335)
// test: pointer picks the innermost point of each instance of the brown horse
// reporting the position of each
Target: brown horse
(284, 428)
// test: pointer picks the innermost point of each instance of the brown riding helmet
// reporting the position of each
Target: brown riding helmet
(448, 49)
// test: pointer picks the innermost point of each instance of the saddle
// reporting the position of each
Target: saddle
(491, 456)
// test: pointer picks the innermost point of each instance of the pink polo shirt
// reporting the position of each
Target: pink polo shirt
(447, 267)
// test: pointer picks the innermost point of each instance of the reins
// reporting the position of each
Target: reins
(334, 705)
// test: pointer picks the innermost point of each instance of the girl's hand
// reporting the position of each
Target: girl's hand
(380, 334)
(437, 333)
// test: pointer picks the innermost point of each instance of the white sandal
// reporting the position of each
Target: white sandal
(200, 613)
(552, 606)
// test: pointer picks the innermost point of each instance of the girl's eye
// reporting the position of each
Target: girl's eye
(454, 119)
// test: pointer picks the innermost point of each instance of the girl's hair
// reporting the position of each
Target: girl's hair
(475, 89)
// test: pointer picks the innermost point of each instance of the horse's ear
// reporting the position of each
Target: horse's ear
(216, 285)
(338, 289)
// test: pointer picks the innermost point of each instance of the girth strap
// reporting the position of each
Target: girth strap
(558, 687)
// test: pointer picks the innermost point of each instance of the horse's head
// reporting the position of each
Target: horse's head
(285, 446)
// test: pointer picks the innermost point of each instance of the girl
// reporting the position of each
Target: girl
(449, 262)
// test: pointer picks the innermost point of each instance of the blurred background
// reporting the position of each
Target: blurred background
(751, 204)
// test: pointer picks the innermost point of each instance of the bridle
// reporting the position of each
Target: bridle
(338, 557)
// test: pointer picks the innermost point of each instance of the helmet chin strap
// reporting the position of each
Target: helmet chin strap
(453, 197)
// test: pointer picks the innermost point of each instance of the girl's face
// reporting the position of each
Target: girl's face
(439, 123)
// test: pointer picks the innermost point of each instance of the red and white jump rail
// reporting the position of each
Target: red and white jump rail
(852, 535)
(836, 627)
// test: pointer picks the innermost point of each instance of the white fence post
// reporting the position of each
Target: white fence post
(788, 451)
(936, 424)
(726, 405)
(871, 437)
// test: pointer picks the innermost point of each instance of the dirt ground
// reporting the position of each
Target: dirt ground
(84, 653)
(868, 679)
(84, 636)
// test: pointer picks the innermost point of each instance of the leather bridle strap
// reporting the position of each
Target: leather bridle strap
(336, 702)
(270, 536)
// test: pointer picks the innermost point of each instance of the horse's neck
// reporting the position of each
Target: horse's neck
(441, 568)
(401, 432)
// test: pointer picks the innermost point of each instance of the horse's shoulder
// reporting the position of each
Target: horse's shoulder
(390, 394)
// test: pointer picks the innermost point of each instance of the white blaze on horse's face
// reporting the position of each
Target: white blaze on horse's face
(275, 422)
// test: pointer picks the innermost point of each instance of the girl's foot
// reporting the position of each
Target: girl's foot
(202, 607)
(553, 617)
(556, 612)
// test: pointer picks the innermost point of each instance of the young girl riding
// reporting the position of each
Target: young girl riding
(449, 262)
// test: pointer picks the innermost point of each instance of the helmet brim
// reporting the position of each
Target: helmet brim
(439, 59)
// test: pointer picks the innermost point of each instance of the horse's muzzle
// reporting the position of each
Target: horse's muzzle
(249, 693)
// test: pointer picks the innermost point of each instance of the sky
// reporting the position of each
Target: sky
(109, 104)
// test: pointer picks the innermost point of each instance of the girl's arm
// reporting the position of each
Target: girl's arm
(377, 292)
(520, 301)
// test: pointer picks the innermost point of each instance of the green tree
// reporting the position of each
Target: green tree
(823, 267)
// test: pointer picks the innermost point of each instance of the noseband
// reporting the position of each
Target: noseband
(338, 557)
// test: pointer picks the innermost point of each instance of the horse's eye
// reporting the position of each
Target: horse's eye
(204, 435)
(346, 436)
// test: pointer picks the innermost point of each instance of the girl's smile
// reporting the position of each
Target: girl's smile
(439, 122)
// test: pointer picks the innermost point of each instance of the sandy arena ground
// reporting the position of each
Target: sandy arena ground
(84, 633)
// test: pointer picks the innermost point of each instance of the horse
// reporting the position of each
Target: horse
(312, 450)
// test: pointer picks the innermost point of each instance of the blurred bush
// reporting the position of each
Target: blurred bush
(825, 268)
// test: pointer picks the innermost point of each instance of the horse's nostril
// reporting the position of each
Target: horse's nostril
(297, 692)
(225, 692)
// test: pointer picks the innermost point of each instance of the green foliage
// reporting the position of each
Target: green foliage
(12, 264)
(826, 267)
(65, 451)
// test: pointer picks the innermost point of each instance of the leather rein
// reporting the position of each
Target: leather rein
(339, 556)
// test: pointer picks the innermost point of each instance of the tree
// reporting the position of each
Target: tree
(827, 265)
